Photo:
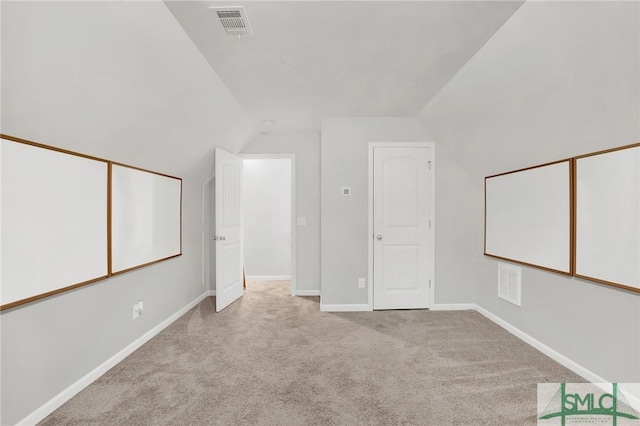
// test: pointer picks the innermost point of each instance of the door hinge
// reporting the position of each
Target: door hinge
(429, 283)
(429, 164)
(429, 223)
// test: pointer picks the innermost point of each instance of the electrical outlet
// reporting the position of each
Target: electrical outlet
(361, 282)
(137, 309)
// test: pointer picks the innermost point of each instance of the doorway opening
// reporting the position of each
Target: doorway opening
(268, 214)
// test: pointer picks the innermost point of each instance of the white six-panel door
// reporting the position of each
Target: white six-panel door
(402, 198)
(228, 228)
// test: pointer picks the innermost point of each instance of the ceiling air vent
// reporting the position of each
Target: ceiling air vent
(234, 20)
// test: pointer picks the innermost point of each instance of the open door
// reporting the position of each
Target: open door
(228, 228)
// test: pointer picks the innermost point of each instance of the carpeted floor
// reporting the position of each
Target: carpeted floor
(273, 359)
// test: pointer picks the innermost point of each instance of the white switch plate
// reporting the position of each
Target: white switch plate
(361, 282)
(302, 221)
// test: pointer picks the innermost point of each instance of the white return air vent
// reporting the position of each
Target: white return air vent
(509, 283)
(234, 20)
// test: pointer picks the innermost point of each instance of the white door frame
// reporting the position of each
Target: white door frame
(291, 157)
(432, 190)
(206, 234)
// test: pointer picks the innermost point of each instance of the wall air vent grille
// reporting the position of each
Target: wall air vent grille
(509, 283)
(234, 20)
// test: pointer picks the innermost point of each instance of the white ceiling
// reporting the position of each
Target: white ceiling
(314, 59)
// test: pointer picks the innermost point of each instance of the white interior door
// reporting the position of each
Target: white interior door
(401, 227)
(228, 228)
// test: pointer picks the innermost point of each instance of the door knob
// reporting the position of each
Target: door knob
(378, 237)
(223, 238)
(215, 238)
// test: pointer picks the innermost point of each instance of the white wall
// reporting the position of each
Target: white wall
(344, 228)
(344, 259)
(306, 148)
(267, 217)
(558, 79)
(119, 80)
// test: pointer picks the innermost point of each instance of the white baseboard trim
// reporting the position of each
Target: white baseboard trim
(268, 278)
(210, 293)
(364, 307)
(587, 374)
(551, 353)
(307, 292)
(55, 402)
(453, 307)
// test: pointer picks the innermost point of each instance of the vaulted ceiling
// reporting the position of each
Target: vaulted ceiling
(312, 59)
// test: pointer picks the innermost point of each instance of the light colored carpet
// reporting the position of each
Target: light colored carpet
(273, 359)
